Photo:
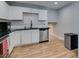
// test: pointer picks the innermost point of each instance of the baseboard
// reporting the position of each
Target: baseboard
(26, 44)
(44, 41)
(60, 38)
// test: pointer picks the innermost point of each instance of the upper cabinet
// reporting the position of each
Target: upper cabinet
(14, 13)
(43, 15)
(3, 10)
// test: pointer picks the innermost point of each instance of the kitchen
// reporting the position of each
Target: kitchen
(26, 24)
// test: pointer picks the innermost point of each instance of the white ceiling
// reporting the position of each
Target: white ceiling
(48, 4)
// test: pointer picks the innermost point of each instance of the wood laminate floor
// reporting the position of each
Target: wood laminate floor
(52, 49)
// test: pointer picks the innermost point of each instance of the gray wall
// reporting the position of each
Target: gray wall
(52, 15)
(68, 20)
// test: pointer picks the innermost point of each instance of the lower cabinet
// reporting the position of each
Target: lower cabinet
(17, 38)
(29, 36)
(10, 40)
(23, 37)
(26, 37)
(35, 36)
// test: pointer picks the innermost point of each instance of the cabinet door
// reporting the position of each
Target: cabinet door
(35, 36)
(45, 35)
(43, 15)
(26, 37)
(3, 10)
(11, 42)
(17, 38)
(15, 13)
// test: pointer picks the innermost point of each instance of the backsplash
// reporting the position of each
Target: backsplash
(16, 23)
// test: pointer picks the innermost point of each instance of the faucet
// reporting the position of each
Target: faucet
(31, 24)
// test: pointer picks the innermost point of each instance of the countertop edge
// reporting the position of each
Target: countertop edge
(29, 29)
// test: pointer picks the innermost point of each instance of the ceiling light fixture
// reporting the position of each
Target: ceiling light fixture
(55, 3)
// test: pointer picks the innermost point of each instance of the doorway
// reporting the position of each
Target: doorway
(52, 30)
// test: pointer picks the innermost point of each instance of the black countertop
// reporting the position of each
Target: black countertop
(31, 29)
(70, 34)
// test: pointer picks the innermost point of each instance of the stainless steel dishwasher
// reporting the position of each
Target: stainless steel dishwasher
(43, 35)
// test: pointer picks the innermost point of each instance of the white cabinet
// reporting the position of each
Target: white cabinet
(29, 36)
(13, 40)
(26, 37)
(17, 38)
(43, 15)
(10, 42)
(23, 37)
(3, 10)
(35, 36)
(15, 13)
